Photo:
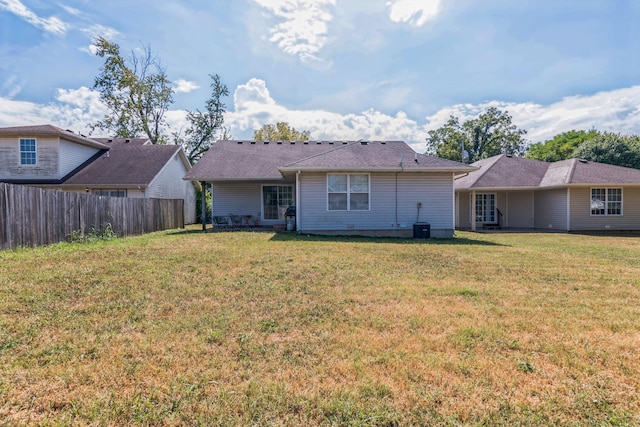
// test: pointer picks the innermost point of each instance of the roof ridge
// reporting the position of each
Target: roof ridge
(482, 171)
(331, 150)
(351, 143)
(572, 170)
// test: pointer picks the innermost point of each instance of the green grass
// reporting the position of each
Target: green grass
(241, 328)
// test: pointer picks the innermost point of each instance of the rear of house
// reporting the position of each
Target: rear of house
(379, 188)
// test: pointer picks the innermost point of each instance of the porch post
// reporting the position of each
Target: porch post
(203, 205)
(473, 210)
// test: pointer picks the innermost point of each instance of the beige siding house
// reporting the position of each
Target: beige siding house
(44, 154)
(572, 195)
(377, 188)
(50, 157)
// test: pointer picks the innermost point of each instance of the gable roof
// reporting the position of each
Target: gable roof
(126, 165)
(50, 130)
(268, 160)
(506, 172)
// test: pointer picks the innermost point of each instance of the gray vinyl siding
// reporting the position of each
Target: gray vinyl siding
(464, 210)
(73, 155)
(238, 199)
(388, 209)
(551, 209)
(581, 218)
(519, 209)
(168, 184)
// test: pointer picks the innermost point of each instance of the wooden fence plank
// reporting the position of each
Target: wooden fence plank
(32, 216)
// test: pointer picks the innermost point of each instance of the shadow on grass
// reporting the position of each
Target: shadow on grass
(288, 236)
(283, 236)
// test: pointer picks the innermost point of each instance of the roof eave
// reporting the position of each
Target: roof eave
(375, 169)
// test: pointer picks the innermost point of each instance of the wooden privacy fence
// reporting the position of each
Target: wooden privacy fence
(32, 216)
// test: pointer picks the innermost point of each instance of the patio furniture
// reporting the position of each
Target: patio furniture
(236, 221)
(221, 221)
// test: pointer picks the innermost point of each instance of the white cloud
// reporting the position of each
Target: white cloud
(415, 12)
(184, 86)
(95, 31)
(255, 107)
(616, 111)
(75, 109)
(304, 30)
(51, 25)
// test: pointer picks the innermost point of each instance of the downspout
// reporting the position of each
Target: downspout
(298, 225)
(396, 223)
(568, 208)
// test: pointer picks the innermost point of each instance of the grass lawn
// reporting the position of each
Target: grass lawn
(241, 328)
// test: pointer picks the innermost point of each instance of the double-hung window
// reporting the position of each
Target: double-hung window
(348, 192)
(606, 201)
(27, 151)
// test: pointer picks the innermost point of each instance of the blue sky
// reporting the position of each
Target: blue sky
(342, 69)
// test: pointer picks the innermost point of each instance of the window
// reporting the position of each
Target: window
(27, 151)
(348, 192)
(486, 207)
(275, 200)
(109, 193)
(606, 201)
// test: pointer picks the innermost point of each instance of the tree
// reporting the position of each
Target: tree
(280, 132)
(611, 148)
(489, 134)
(205, 126)
(561, 146)
(137, 93)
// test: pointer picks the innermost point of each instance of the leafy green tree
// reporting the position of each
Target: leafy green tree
(489, 134)
(280, 132)
(136, 92)
(611, 148)
(205, 127)
(561, 146)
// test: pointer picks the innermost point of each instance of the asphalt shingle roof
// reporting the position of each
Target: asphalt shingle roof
(125, 164)
(238, 160)
(504, 171)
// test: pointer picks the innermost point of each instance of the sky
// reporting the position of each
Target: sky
(341, 69)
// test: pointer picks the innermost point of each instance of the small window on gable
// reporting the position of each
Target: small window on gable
(27, 151)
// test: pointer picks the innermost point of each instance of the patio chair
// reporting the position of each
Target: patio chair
(236, 220)
(221, 222)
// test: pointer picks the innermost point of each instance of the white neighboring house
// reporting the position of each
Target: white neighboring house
(50, 157)
(379, 188)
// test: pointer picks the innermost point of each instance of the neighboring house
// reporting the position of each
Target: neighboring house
(50, 157)
(358, 187)
(570, 195)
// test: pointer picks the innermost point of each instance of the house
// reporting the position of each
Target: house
(49, 157)
(570, 195)
(377, 188)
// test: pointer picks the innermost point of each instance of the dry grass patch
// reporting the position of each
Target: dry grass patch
(247, 328)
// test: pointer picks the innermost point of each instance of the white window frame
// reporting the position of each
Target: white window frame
(281, 209)
(607, 202)
(34, 152)
(349, 192)
(474, 206)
